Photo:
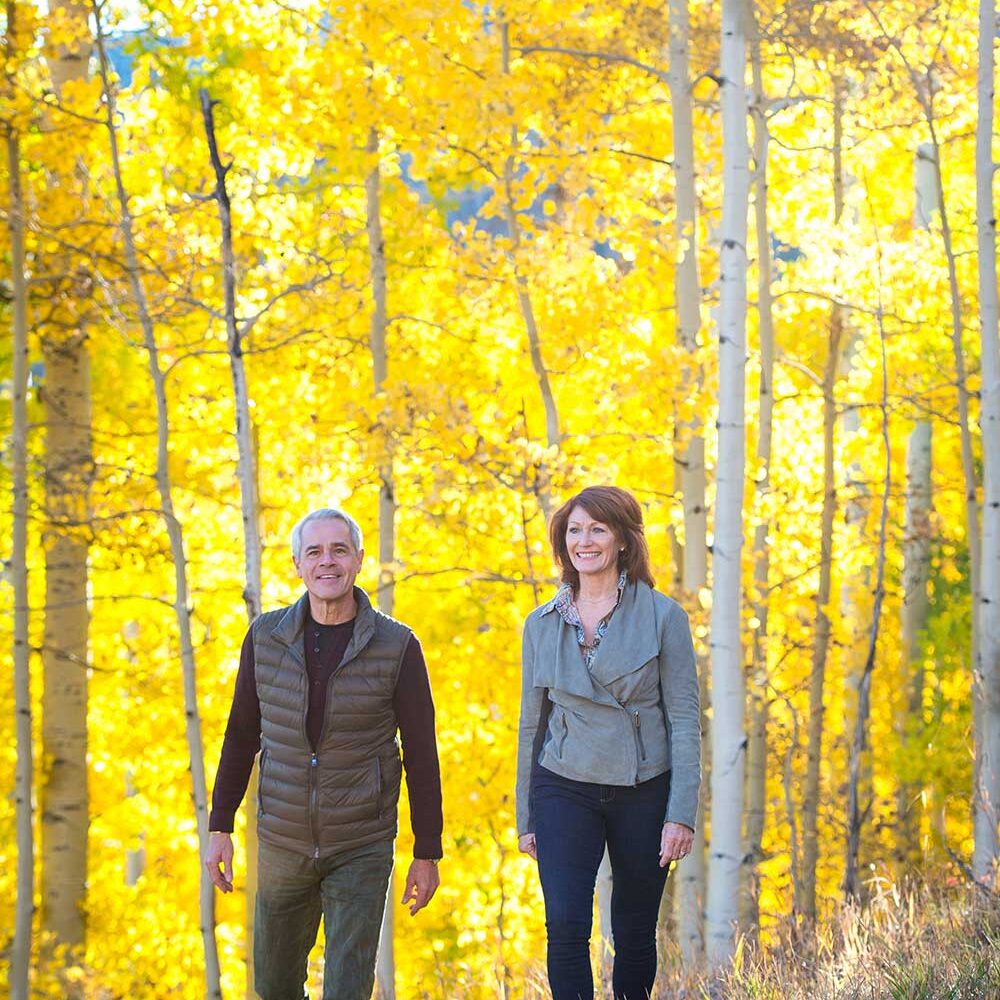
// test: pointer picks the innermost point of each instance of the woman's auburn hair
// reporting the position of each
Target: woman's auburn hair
(620, 511)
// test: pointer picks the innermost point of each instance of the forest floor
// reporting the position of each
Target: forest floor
(917, 942)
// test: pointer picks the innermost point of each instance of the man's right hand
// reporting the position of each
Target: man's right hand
(219, 860)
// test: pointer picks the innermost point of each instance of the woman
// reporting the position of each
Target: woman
(608, 742)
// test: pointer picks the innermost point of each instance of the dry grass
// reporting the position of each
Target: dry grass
(904, 943)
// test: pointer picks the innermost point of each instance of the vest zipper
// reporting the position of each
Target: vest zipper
(378, 788)
(313, 803)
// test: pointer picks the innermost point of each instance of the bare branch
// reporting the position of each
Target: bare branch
(605, 57)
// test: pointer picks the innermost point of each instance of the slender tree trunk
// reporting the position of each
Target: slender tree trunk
(856, 811)
(174, 531)
(984, 823)
(987, 797)
(984, 817)
(689, 440)
(68, 476)
(968, 463)
(759, 674)
(728, 682)
(916, 574)
(553, 436)
(135, 857)
(247, 475)
(385, 973)
(247, 465)
(821, 642)
(20, 953)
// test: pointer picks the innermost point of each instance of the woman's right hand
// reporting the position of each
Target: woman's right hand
(526, 845)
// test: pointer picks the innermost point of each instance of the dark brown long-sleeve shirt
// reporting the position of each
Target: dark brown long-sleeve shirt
(412, 703)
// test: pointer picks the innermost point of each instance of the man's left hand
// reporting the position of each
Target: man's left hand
(422, 881)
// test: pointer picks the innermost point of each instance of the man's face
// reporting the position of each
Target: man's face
(328, 563)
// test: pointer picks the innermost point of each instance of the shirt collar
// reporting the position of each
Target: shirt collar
(565, 592)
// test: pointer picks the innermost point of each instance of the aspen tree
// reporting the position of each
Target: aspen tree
(987, 792)
(924, 89)
(821, 642)
(689, 440)
(385, 969)
(916, 605)
(182, 609)
(759, 693)
(856, 810)
(246, 471)
(553, 435)
(64, 800)
(20, 952)
(728, 682)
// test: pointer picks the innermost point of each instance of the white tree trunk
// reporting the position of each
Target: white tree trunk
(64, 806)
(759, 694)
(385, 970)
(987, 797)
(916, 574)
(728, 687)
(689, 441)
(20, 953)
(174, 532)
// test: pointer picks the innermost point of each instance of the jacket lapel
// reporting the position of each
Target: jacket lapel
(559, 663)
(632, 638)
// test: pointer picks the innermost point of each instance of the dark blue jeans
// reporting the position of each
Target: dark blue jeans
(573, 822)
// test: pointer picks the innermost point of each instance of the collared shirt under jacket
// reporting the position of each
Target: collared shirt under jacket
(634, 714)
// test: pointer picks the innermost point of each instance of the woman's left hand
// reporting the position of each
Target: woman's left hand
(675, 842)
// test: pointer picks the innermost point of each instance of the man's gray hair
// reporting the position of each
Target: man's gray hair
(327, 514)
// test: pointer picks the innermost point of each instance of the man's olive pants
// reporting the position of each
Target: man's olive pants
(293, 891)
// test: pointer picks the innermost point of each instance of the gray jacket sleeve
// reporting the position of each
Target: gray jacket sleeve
(530, 734)
(679, 692)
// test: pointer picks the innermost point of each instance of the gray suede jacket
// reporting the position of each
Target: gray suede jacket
(632, 716)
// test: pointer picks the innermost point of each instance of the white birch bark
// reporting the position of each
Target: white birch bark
(174, 531)
(916, 575)
(20, 953)
(385, 969)
(728, 687)
(689, 440)
(759, 676)
(987, 797)
(64, 802)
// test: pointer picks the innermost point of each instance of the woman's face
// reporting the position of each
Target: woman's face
(591, 544)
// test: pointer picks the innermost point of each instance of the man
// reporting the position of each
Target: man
(322, 687)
